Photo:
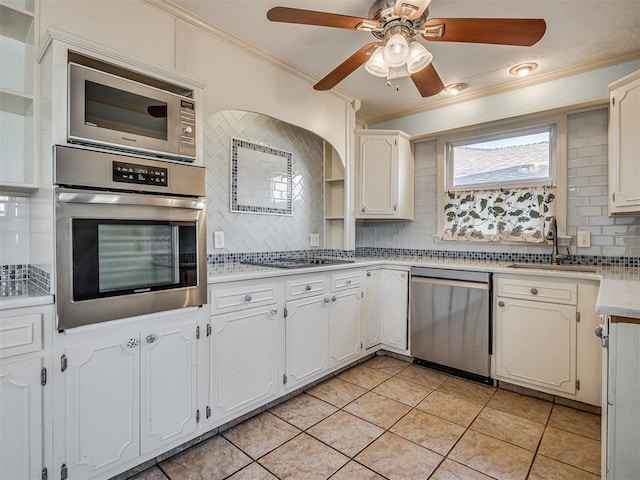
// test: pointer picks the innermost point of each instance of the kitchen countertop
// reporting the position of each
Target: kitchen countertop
(25, 296)
(619, 292)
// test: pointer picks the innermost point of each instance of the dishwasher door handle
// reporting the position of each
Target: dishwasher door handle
(450, 283)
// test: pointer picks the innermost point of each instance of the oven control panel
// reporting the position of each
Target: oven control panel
(139, 174)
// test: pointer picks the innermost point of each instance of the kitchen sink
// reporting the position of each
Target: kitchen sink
(300, 262)
(548, 266)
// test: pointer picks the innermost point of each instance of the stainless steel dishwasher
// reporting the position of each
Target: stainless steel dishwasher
(450, 321)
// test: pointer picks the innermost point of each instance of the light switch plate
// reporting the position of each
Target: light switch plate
(218, 239)
(584, 239)
(314, 240)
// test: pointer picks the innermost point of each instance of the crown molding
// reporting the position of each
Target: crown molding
(506, 87)
(183, 14)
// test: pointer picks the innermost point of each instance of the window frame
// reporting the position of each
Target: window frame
(557, 162)
(550, 180)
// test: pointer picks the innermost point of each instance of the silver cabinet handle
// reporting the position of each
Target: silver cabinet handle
(274, 311)
(395, 208)
(307, 288)
(368, 274)
(326, 300)
(534, 291)
(501, 304)
(334, 298)
(364, 209)
(132, 342)
(151, 338)
(348, 282)
(247, 298)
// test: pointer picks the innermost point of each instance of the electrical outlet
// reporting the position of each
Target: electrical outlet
(314, 240)
(218, 239)
(584, 239)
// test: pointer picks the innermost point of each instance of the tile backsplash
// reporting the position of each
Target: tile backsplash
(586, 203)
(251, 232)
(14, 230)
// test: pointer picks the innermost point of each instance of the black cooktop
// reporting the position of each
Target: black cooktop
(300, 262)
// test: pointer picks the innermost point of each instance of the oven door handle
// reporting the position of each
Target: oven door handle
(115, 199)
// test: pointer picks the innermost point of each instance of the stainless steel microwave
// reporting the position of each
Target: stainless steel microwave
(116, 112)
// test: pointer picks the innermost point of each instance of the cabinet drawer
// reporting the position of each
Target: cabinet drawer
(242, 296)
(540, 289)
(345, 281)
(20, 334)
(305, 287)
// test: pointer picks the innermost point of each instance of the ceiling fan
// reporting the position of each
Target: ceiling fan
(397, 54)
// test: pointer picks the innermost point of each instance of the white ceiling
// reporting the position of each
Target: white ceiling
(579, 33)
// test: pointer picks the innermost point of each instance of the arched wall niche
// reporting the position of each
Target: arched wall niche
(257, 232)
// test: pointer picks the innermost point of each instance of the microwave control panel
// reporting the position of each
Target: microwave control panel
(140, 174)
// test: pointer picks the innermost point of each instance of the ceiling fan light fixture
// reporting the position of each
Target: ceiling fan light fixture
(455, 88)
(419, 57)
(376, 64)
(523, 69)
(396, 51)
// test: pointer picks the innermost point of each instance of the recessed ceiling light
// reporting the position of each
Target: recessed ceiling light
(523, 69)
(455, 88)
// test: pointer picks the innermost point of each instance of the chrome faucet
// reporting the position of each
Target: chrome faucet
(556, 257)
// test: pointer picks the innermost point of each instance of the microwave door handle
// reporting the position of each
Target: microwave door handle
(115, 199)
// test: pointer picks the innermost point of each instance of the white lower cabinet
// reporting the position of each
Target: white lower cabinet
(243, 361)
(21, 455)
(322, 332)
(372, 318)
(25, 392)
(536, 343)
(344, 327)
(102, 404)
(394, 284)
(126, 394)
(386, 309)
(306, 339)
(168, 400)
(543, 336)
(622, 423)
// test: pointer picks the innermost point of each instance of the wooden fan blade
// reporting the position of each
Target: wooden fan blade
(498, 31)
(347, 67)
(420, 7)
(427, 81)
(322, 19)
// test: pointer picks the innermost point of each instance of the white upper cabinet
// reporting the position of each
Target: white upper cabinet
(624, 146)
(384, 178)
(17, 139)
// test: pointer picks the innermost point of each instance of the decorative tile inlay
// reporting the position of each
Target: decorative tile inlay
(261, 178)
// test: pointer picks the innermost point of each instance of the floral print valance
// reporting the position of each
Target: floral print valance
(517, 214)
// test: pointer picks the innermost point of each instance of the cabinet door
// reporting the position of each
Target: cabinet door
(371, 309)
(306, 339)
(21, 420)
(394, 285)
(344, 327)
(168, 384)
(377, 175)
(244, 361)
(102, 405)
(624, 144)
(623, 399)
(536, 343)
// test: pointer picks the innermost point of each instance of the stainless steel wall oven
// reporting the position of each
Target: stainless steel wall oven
(130, 236)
